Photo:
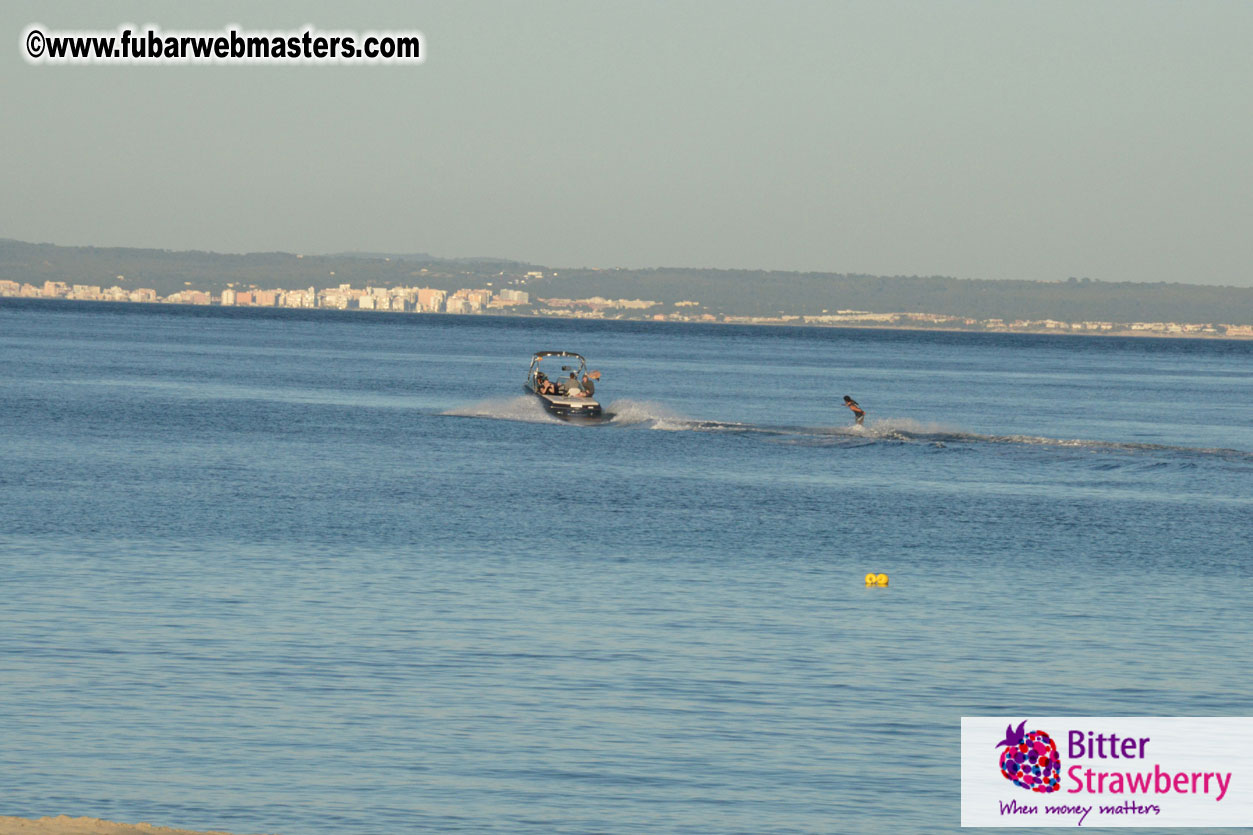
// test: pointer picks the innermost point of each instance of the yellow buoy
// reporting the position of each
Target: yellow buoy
(881, 579)
(871, 579)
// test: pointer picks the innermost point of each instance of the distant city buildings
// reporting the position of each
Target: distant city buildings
(469, 301)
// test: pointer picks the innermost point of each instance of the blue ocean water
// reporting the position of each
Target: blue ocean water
(326, 573)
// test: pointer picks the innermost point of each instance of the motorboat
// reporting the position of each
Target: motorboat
(563, 392)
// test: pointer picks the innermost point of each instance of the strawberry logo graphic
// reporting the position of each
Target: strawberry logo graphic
(1030, 759)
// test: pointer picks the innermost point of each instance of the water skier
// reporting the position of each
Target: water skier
(857, 410)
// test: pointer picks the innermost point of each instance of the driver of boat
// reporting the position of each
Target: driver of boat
(573, 389)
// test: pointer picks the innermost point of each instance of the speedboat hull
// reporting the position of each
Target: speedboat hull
(569, 408)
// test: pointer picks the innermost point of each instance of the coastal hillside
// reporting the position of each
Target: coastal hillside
(745, 293)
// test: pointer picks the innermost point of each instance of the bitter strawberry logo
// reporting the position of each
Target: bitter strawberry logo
(1030, 759)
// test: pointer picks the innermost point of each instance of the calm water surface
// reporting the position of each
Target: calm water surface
(328, 573)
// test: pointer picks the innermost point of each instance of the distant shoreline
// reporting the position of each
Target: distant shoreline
(427, 284)
(24, 302)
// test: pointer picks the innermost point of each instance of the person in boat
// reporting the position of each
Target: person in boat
(543, 385)
(572, 387)
(857, 410)
(588, 384)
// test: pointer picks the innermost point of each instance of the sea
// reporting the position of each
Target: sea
(336, 572)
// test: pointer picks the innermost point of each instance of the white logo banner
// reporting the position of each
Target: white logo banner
(1106, 771)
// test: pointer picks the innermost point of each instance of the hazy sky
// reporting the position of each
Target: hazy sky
(976, 139)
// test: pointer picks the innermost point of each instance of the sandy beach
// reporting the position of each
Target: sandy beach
(65, 825)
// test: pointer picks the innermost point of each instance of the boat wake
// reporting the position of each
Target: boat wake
(904, 430)
(645, 414)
